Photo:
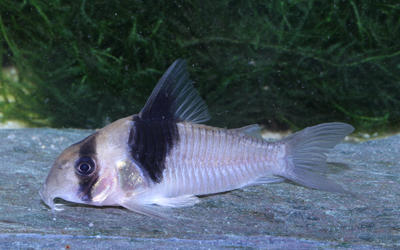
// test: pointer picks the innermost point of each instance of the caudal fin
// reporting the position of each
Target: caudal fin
(306, 155)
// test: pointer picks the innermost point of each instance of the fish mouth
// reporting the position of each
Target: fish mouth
(49, 194)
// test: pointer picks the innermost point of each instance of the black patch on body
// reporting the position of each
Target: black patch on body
(150, 143)
(86, 183)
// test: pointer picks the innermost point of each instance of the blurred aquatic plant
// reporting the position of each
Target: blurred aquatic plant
(279, 63)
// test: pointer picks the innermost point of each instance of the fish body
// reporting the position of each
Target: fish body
(164, 156)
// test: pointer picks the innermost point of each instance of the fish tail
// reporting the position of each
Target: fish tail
(306, 155)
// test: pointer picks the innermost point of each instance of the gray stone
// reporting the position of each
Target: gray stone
(275, 216)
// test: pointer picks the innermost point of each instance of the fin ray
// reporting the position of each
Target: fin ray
(306, 155)
(174, 98)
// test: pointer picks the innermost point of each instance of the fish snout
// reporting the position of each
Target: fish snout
(47, 198)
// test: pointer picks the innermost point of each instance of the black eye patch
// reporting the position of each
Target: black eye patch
(86, 168)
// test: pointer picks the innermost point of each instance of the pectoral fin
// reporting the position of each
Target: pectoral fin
(155, 206)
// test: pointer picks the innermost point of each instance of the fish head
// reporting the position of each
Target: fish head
(62, 181)
(96, 171)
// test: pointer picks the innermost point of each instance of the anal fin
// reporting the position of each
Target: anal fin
(270, 179)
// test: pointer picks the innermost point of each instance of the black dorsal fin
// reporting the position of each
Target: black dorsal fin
(174, 98)
(155, 130)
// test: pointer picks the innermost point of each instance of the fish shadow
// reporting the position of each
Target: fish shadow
(336, 167)
(81, 205)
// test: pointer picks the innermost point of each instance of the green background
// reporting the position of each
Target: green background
(283, 64)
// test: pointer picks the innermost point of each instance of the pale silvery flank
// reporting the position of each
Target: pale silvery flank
(165, 157)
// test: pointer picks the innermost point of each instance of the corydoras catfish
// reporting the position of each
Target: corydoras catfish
(165, 157)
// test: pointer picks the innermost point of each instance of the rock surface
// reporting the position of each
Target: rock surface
(275, 216)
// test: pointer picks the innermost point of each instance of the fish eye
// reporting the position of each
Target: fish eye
(85, 166)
